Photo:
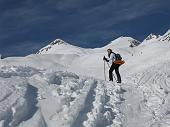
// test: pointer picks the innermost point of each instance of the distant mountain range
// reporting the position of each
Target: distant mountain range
(59, 46)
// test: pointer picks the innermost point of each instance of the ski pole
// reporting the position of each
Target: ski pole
(112, 73)
(104, 71)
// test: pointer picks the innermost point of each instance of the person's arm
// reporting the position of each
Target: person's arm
(105, 59)
(112, 58)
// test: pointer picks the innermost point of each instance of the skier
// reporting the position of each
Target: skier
(115, 65)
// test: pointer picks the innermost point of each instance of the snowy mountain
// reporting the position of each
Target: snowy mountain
(134, 43)
(166, 37)
(151, 37)
(123, 42)
(159, 38)
(52, 44)
(59, 46)
(63, 86)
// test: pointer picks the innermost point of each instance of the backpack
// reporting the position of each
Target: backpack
(118, 56)
(118, 59)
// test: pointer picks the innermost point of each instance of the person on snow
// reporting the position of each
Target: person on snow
(115, 65)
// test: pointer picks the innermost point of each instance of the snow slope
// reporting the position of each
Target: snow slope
(63, 86)
(151, 104)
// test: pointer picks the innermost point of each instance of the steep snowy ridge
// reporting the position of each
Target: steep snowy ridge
(151, 37)
(158, 38)
(166, 37)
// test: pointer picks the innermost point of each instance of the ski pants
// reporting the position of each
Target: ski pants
(116, 68)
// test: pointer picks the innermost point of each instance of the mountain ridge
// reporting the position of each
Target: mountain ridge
(58, 45)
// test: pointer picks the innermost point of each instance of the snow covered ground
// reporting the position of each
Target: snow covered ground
(31, 97)
(147, 97)
(63, 86)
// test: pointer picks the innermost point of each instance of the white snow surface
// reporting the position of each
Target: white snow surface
(63, 86)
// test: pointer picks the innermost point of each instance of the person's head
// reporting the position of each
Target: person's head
(109, 51)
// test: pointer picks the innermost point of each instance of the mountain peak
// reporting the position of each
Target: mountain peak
(123, 42)
(58, 42)
(151, 36)
(166, 36)
(59, 46)
(134, 42)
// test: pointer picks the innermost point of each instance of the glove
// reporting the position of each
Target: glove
(104, 58)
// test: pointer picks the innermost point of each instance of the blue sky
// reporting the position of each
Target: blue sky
(27, 25)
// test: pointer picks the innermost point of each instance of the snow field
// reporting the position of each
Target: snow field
(151, 103)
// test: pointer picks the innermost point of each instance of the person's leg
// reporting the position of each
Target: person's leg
(111, 72)
(118, 74)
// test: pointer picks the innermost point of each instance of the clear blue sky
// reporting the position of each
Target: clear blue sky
(28, 25)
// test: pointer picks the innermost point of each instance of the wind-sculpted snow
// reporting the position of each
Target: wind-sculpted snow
(18, 98)
(41, 98)
(73, 96)
(17, 101)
